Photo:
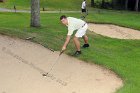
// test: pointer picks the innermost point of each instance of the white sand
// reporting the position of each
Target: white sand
(22, 64)
(114, 31)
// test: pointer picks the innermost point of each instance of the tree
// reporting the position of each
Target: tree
(137, 5)
(113, 2)
(103, 4)
(92, 3)
(35, 13)
(1, 0)
(126, 4)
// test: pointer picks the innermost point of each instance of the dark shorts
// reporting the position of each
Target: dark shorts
(83, 10)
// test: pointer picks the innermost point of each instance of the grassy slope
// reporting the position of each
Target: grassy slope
(121, 56)
(48, 4)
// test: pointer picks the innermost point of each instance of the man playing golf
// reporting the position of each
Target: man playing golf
(80, 27)
(83, 9)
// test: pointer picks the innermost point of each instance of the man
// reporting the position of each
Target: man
(83, 7)
(78, 25)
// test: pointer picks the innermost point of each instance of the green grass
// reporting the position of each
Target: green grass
(121, 56)
(48, 4)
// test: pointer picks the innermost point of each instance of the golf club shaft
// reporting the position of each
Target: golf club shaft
(56, 61)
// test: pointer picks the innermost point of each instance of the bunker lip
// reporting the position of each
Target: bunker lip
(22, 64)
(114, 31)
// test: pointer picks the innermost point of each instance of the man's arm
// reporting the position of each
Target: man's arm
(66, 42)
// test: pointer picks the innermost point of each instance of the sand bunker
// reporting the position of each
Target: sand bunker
(114, 31)
(22, 64)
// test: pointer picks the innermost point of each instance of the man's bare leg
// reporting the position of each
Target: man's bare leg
(85, 39)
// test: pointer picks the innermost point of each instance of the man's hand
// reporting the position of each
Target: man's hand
(63, 48)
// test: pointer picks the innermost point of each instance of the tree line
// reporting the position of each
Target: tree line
(133, 5)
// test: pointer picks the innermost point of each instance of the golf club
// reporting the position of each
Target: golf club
(56, 61)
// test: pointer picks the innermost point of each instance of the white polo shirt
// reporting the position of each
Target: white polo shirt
(83, 5)
(74, 24)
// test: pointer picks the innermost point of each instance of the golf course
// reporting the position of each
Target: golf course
(110, 65)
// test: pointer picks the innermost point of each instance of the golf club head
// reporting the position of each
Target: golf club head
(44, 74)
